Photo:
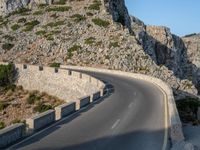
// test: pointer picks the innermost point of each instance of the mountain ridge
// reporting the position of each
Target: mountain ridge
(99, 34)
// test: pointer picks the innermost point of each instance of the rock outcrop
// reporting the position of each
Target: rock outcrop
(119, 12)
(96, 33)
(8, 6)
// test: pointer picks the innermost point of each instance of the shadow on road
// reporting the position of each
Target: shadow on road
(140, 140)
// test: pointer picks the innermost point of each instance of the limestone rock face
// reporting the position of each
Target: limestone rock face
(180, 55)
(8, 6)
(72, 37)
(119, 12)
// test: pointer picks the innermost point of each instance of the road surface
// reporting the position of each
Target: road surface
(130, 118)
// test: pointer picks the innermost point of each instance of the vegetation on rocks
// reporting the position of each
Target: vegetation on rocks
(90, 40)
(29, 26)
(188, 108)
(78, 17)
(55, 65)
(100, 22)
(72, 50)
(95, 6)
(15, 27)
(7, 75)
(58, 8)
(2, 125)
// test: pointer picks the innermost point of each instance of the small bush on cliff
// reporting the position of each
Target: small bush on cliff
(95, 6)
(60, 2)
(7, 75)
(29, 26)
(100, 22)
(3, 105)
(55, 65)
(41, 107)
(78, 17)
(113, 44)
(58, 8)
(188, 108)
(33, 97)
(90, 40)
(7, 46)
(21, 20)
(39, 12)
(2, 125)
(22, 11)
(71, 50)
(55, 24)
(15, 27)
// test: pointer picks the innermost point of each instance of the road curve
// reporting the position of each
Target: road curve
(131, 118)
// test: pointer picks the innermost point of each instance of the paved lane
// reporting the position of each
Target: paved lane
(131, 118)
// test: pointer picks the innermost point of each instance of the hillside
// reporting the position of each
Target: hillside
(99, 34)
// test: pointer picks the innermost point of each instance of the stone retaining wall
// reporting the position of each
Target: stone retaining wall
(57, 82)
(174, 123)
(11, 134)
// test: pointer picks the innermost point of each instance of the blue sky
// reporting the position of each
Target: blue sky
(181, 16)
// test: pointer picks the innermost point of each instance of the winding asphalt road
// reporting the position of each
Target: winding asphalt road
(130, 118)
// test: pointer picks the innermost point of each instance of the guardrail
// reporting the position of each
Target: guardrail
(13, 133)
(174, 123)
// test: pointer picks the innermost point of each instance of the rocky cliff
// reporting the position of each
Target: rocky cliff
(95, 33)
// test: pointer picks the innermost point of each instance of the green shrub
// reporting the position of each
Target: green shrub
(90, 40)
(7, 46)
(188, 104)
(72, 49)
(113, 44)
(22, 11)
(15, 27)
(49, 36)
(95, 6)
(22, 20)
(2, 125)
(41, 6)
(1, 19)
(60, 2)
(3, 105)
(16, 121)
(39, 12)
(30, 25)
(42, 107)
(8, 37)
(89, 14)
(4, 23)
(100, 22)
(55, 24)
(78, 17)
(33, 97)
(7, 75)
(58, 9)
(41, 32)
(55, 65)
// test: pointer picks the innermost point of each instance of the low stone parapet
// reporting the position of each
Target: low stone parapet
(40, 121)
(198, 114)
(11, 134)
(64, 110)
(82, 102)
(95, 96)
